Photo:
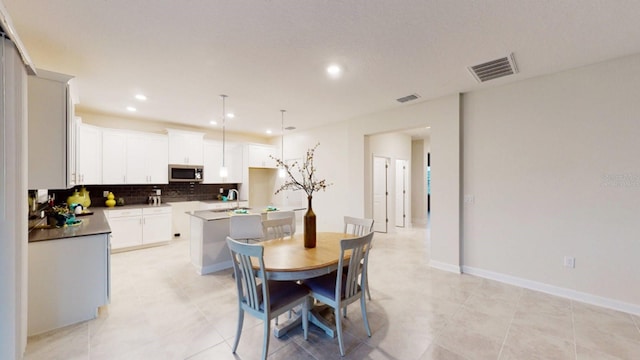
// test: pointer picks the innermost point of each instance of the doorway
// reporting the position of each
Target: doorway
(401, 193)
(380, 193)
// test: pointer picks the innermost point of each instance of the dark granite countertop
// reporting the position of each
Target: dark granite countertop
(91, 225)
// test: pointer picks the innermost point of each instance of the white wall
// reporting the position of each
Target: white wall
(341, 158)
(13, 204)
(546, 161)
(395, 146)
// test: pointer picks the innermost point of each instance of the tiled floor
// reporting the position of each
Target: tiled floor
(161, 309)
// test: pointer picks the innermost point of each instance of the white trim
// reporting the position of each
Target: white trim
(7, 25)
(445, 266)
(554, 290)
(215, 267)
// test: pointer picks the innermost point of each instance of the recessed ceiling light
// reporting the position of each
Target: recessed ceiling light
(269, 132)
(131, 108)
(141, 97)
(334, 70)
(213, 122)
(231, 115)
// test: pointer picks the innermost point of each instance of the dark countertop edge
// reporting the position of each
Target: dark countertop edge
(95, 224)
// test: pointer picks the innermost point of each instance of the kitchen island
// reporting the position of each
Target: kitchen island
(207, 242)
(68, 273)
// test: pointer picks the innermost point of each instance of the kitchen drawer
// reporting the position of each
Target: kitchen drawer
(156, 210)
(123, 212)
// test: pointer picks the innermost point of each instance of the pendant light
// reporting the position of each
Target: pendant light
(224, 172)
(281, 171)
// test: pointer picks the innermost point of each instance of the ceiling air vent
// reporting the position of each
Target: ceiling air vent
(494, 69)
(411, 97)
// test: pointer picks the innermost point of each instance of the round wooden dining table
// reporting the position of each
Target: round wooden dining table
(288, 259)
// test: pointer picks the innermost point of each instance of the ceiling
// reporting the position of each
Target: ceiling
(268, 55)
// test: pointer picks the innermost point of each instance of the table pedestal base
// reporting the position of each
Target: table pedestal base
(320, 316)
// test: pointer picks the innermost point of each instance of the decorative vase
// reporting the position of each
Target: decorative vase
(309, 226)
(87, 199)
(111, 202)
(76, 198)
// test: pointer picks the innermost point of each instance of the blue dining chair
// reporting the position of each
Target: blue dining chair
(262, 298)
(338, 289)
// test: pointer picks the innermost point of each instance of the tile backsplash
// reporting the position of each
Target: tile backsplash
(139, 194)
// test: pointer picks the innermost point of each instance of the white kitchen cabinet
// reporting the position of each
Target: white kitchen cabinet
(68, 281)
(260, 156)
(213, 162)
(114, 157)
(88, 155)
(135, 227)
(147, 158)
(50, 135)
(185, 147)
(126, 227)
(156, 224)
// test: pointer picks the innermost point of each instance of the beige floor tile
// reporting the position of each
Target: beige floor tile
(467, 343)
(524, 342)
(537, 302)
(589, 354)
(605, 320)
(437, 352)
(221, 351)
(553, 324)
(492, 307)
(608, 342)
(476, 321)
(70, 342)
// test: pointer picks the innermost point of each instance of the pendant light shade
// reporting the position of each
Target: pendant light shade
(224, 172)
(281, 171)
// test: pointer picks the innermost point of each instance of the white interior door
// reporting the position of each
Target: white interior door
(380, 218)
(401, 193)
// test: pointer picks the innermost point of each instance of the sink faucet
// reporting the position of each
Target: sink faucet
(237, 197)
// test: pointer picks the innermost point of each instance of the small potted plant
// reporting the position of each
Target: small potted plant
(58, 215)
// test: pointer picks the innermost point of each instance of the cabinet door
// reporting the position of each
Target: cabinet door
(157, 152)
(212, 162)
(234, 163)
(136, 159)
(259, 156)
(185, 147)
(156, 228)
(89, 155)
(126, 231)
(114, 162)
(49, 129)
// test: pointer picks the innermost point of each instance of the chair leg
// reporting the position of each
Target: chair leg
(366, 286)
(238, 330)
(305, 319)
(339, 330)
(363, 306)
(265, 343)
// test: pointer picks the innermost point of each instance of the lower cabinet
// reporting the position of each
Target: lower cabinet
(139, 226)
(68, 281)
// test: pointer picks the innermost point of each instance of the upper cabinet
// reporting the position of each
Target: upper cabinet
(213, 162)
(260, 156)
(130, 157)
(185, 147)
(88, 154)
(50, 131)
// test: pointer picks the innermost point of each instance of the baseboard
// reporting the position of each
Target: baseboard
(445, 266)
(554, 290)
(215, 267)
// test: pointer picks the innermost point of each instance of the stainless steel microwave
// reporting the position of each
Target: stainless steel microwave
(185, 173)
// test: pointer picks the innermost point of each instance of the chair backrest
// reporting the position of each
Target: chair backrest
(251, 284)
(242, 227)
(357, 226)
(277, 228)
(284, 214)
(357, 265)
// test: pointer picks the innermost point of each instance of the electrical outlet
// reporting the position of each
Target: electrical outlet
(570, 262)
(158, 192)
(469, 199)
(221, 190)
(105, 193)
